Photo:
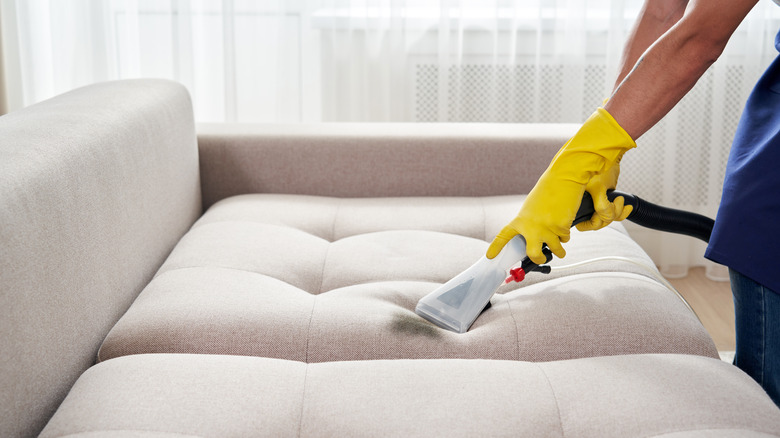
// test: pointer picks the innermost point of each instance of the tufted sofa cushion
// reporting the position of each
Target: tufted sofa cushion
(317, 279)
(164, 395)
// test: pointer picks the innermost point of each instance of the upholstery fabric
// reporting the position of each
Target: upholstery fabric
(376, 160)
(318, 279)
(96, 188)
(163, 395)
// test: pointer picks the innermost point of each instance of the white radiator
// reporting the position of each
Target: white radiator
(688, 149)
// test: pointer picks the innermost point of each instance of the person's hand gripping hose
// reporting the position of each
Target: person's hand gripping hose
(549, 210)
(605, 211)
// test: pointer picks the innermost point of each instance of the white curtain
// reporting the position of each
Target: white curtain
(549, 61)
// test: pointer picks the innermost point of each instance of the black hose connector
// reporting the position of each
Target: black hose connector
(654, 216)
(529, 266)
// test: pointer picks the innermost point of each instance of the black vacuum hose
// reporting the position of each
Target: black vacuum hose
(654, 216)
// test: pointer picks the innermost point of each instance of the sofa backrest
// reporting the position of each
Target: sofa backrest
(376, 159)
(96, 187)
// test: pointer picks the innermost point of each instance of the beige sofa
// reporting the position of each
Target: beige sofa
(253, 280)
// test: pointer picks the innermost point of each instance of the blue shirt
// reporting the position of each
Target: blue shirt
(746, 236)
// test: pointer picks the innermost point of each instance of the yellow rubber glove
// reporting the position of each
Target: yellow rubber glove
(549, 210)
(605, 211)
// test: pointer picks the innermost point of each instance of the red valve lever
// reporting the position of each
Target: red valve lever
(515, 274)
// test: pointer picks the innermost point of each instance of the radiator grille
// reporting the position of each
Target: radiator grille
(687, 149)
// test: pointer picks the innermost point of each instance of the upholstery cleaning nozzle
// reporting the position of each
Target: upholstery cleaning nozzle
(456, 304)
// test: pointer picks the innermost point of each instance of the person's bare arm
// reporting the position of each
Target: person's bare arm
(670, 67)
(655, 18)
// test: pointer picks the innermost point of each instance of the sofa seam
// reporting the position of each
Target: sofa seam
(256, 222)
(73, 434)
(303, 399)
(228, 268)
(327, 251)
(555, 398)
(319, 288)
(308, 329)
(517, 330)
(103, 342)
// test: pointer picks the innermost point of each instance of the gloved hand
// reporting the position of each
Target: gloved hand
(605, 211)
(549, 210)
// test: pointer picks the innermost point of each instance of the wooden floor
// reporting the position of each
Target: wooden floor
(712, 302)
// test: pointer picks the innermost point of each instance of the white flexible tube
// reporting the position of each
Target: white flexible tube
(650, 270)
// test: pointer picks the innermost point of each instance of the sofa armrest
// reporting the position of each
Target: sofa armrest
(96, 187)
(375, 159)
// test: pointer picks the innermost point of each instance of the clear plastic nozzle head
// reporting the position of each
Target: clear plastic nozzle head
(456, 304)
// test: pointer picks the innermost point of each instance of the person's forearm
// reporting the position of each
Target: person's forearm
(660, 78)
(655, 18)
(671, 66)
